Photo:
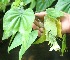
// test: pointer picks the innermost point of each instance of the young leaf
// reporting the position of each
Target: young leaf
(51, 32)
(27, 43)
(53, 27)
(43, 4)
(54, 13)
(50, 25)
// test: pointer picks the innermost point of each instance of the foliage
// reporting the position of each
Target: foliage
(17, 20)
(54, 12)
(27, 43)
(51, 29)
(41, 39)
(63, 44)
(3, 4)
(17, 23)
(43, 4)
(64, 5)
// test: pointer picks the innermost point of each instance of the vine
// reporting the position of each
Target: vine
(17, 23)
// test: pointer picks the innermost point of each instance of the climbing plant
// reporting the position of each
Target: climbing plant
(18, 20)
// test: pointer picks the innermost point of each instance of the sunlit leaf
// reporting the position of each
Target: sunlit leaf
(16, 42)
(17, 20)
(51, 32)
(17, 23)
(52, 27)
(27, 43)
(54, 12)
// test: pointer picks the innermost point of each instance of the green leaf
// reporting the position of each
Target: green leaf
(17, 3)
(63, 5)
(50, 25)
(26, 2)
(41, 39)
(16, 27)
(54, 13)
(17, 23)
(43, 4)
(17, 20)
(27, 43)
(63, 49)
(51, 32)
(53, 27)
(26, 24)
(3, 4)
(9, 29)
(69, 11)
(16, 42)
(33, 3)
(6, 34)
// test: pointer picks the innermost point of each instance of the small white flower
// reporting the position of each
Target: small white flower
(55, 47)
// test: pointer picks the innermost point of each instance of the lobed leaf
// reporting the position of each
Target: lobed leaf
(16, 42)
(27, 43)
(17, 20)
(17, 23)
